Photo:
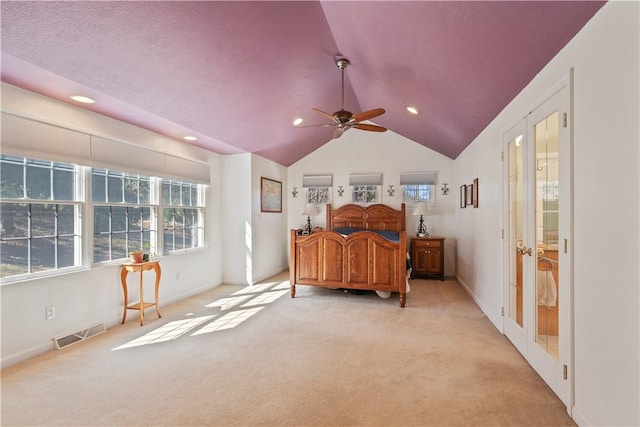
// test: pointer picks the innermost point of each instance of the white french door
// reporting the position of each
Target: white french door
(537, 232)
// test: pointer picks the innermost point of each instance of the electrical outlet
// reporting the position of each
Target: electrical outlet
(50, 312)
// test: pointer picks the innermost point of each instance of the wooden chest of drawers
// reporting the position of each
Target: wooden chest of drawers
(427, 257)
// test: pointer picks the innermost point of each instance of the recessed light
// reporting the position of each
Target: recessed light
(297, 121)
(83, 99)
(412, 110)
(190, 138)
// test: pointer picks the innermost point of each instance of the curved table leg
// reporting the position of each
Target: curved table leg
(123, 279)
(403, 299)
(156, 267)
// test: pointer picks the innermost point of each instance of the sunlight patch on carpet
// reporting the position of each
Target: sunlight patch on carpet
(228, 303)
(168, 332)
(228, 321)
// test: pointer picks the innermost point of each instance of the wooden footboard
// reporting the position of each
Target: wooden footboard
(363, 260)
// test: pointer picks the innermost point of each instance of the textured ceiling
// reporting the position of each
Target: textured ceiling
(235, 74)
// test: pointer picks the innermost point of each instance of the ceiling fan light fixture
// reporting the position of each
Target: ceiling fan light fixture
(412, 110)
(83, 99)
(298, 121)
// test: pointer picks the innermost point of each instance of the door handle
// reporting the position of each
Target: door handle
(527, 251)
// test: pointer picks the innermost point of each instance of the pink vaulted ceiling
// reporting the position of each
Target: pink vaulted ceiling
(235, 74)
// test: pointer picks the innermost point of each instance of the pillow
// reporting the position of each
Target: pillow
(347, 230)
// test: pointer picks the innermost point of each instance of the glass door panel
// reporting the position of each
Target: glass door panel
(516, 221)
(546, 226)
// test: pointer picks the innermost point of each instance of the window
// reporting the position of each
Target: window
(183, 209)
(39, 215)
(124, 214)
(419, 187)
(418, 193)
(318, 195)
(365, 188)
(318, 188)
(365, 193)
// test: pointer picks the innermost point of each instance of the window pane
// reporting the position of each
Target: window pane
(186, 195)
(15, 221)
(11, 177)
(101, 219)
(179, 239)
(114, 190)
(166, 192)
(145, 190)
(63, 184)
(13, 257)
(43, 220)
(175, 194)
(38, 182)
(194, 196)
(66, 252)
(43, 254)
(66, 219)
(119, 246)
(135, 241)
(131, 190)
(134, 219)
(189, 220)
(190, 238)
(118, 219)
(100, 247)
(98, 186)
(168, 241)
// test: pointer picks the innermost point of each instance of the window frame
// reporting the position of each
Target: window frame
(77, 201)
(197, 226)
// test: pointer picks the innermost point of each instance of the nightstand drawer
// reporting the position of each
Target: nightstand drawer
(427, 243)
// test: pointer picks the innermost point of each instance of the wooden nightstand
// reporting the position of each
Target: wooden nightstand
(427, 257)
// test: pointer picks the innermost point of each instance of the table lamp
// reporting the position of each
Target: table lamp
(421, 210)
(309, 210)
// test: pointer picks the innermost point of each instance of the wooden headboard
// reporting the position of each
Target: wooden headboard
(373, 217)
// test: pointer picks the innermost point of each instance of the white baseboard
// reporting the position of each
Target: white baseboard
(28, 354)
(578, 417)
(496, 321)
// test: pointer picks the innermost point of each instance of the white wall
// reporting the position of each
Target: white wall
(255, 242)
(95, 294)
(371, 152)
(237, 218)
(269, 229)
(605, 57)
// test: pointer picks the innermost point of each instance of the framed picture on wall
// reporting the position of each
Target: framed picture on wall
(475, 193)
(270, 195)
(469, 196)
(463, 196)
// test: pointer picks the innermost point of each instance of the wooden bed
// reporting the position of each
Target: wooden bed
(361, 260)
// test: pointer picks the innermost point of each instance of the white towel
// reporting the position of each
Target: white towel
(547, 289)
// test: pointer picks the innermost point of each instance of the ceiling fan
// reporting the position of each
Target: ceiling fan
(344, 120)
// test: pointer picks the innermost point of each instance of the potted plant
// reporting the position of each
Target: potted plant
(136, 256)
(149, 254)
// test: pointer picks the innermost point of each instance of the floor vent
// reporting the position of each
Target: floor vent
(75, 337)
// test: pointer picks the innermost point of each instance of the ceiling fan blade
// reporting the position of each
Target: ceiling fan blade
(370, 114)
(315, 126)
(327, 115)
(372, 128)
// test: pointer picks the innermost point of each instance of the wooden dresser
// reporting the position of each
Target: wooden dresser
(427, 257)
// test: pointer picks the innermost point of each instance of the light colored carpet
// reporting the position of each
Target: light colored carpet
(239, 356)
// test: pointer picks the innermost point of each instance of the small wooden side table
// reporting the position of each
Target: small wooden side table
(140, 267)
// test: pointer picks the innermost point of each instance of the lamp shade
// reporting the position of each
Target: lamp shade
(309, 210)
(421, 209)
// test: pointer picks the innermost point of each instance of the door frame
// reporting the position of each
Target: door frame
(567, 312)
